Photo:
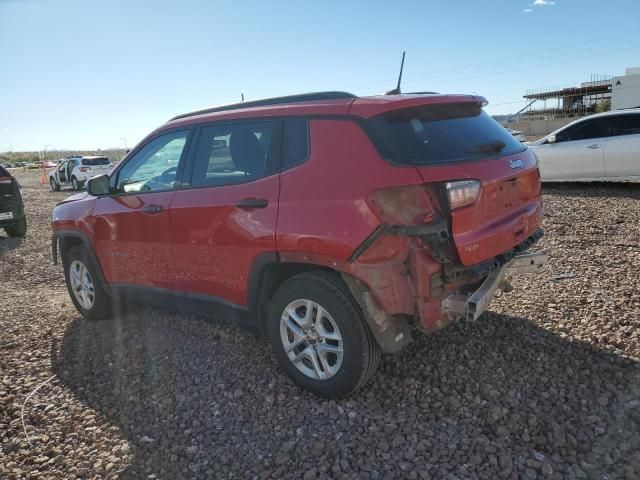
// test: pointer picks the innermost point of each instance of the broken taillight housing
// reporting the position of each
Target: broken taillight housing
(462, 193)
(409, 205)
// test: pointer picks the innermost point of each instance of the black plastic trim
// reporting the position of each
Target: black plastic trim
(256, 277)
(304, 97)
(186, 301)
(66, 233)
(367, 242)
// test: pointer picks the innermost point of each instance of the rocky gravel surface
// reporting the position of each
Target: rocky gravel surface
(545, 385)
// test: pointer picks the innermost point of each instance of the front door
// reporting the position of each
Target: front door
(226, 217)
(578, 152)
(132, 225)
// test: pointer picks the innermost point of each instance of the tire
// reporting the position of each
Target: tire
(101, 306)
(17, 229)
(55, 186)
(334, 375)
(75, 185)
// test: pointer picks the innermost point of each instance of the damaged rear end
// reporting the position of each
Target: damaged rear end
(444, 247)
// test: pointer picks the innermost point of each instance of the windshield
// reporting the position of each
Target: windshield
(451, 132)
(95, 161)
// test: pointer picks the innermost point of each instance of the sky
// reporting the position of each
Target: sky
(87, 74)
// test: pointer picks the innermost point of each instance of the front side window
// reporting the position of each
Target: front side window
(585, 130)
(154, 167)
(232, 153)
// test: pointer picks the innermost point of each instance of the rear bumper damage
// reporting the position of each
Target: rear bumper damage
(470, 306)
(404, 283)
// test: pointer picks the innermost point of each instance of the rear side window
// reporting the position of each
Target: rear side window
(92, 162)
(233, 153)
(627, 124)
(296, 141)
(432, 134)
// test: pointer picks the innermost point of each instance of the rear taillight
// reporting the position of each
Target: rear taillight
(462, 193)
(84, 169)
(5, 179)
(409, 205)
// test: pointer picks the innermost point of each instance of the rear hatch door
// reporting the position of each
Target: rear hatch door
(456, 141)
(95, 166)
(506, 212)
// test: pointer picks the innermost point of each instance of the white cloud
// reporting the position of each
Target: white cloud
(543, 3)
(527, 10)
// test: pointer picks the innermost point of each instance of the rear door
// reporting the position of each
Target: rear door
(577, 153)
(226, 217)
(132, 229)
(458, 141)
(622, 154)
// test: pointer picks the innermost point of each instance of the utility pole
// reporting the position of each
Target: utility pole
(44, 155)
(124, 139)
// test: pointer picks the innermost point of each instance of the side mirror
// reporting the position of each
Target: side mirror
(551, 139)
(98, 185)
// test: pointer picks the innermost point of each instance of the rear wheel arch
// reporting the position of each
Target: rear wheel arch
(267, 274)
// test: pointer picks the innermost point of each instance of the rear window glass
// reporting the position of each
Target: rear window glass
(91, 162)
(444, 133)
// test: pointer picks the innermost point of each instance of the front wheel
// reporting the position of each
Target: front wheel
(84, 285)
(17, 229)
(75, 184)
(319, 335)
(54, 185)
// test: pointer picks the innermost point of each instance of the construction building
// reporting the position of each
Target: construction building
(549, 109)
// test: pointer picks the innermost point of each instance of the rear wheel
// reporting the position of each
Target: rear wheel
(319, 335)
(17, 229)
(54, 185)
(84, 286)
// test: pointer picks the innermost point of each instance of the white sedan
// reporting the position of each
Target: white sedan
(601, 147)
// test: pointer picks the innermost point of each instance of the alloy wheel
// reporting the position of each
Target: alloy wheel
(311, 339)
(82, 284)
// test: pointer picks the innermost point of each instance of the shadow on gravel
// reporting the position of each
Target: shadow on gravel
(198, 399)
(593, 189)
(9, 243)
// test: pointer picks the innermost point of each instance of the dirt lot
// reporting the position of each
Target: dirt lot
(546, 385)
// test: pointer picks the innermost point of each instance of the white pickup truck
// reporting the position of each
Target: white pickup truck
(75, 171)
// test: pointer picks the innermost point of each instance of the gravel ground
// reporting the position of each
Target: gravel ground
(546, 385)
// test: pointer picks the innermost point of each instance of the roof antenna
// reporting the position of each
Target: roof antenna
(396, 91)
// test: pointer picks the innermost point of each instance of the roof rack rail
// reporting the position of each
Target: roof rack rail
(304, 97)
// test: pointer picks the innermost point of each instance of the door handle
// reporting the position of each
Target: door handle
(594, 146)
(250, 203)
(153, 209)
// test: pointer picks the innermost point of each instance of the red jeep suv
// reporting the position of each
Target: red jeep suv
(337, 225)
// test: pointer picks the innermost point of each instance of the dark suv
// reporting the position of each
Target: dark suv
(339, 226)
(12, 216)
